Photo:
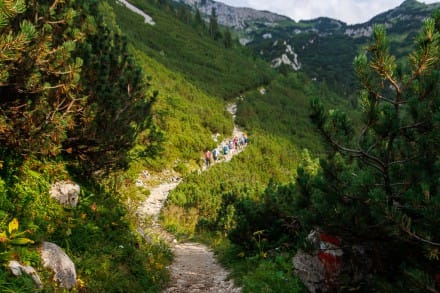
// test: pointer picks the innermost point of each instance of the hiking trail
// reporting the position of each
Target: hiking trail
(194, 268)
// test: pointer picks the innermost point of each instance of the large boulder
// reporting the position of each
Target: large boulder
(66, 193)
(321, 268)
(58, 261)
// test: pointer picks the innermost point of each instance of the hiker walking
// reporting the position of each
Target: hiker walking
(235, 142)
(207, 158)
(231, 147)
(225, 149)
(245, 139)
(215, 154)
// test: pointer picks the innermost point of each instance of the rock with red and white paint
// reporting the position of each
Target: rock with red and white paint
(321, 268)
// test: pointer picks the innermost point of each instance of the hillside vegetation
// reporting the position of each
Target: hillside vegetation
(73, 102)
(186, 47)
(98, 106)
(92, 94)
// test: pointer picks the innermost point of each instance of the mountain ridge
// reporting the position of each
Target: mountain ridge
(224, 12)
(320, 45)
(234, 17)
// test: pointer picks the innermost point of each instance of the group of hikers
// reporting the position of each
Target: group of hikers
(226, 149)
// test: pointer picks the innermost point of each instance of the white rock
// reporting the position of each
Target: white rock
(284, 59)
(146, 174)
(311, 271)
(140, 183)
(66, 193)
(17, 269)
(58, 261)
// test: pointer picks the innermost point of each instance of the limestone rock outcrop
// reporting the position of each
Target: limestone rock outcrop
(66, 193)
(55, 259)
(18, 269)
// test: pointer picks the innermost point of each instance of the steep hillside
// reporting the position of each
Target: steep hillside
(112, 98)
(187, 49)
(185, 117)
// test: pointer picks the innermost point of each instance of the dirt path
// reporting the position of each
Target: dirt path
(194, 268)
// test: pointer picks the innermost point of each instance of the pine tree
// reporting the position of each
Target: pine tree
(198, 21)
(382, 183)
(67, 82)
(183, 13)
(39, 79)
(213, 25)
(227, 39)
(117, 108)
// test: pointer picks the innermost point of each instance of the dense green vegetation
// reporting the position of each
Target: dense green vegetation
(372, 190)
(281, 109)
(189, 50)
(91, 93)
(185, 117)
(72, 103)
(382, 182)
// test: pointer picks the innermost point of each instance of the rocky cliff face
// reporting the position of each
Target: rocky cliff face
(245, 19)
(235, 17)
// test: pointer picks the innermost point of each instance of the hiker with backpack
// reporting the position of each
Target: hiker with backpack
(215, 154)
(225, 149)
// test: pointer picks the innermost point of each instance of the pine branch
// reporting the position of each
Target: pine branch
(404, 161)
(393, 102)
(54, 5)
(364, 156)
(419, 238)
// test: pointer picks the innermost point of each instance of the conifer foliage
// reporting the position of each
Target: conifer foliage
(117, 108)
(39, 82)
(381, 185)
(67, 82)
(213, 25)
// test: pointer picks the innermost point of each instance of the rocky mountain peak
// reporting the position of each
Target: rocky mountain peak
(235, 17)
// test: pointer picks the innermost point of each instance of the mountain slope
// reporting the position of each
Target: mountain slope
(187, 49)
(324, 48)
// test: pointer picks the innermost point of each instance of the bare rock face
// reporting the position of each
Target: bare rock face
(236, 17)
(66, 193)
(58, 261)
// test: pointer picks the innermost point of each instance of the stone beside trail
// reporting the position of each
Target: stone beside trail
(194, 268)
